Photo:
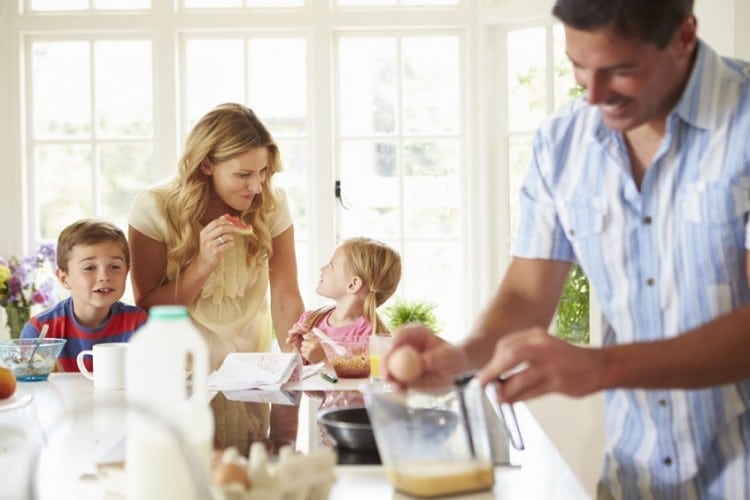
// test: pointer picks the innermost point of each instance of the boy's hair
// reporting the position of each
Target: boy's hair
(653, 21)
(89, 232)
(379, 268)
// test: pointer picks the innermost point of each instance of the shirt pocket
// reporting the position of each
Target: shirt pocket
(716, 203)
(712, 230)
(585, 219)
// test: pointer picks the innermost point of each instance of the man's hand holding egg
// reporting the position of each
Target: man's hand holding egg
(404, 364)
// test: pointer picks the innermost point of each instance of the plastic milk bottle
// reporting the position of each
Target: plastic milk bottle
(170, 424)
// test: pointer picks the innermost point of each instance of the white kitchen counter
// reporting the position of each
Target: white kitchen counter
(73, 446)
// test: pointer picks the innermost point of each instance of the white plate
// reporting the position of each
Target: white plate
(17, 400)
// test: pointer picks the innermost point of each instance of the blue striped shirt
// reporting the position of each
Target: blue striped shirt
(662, 260)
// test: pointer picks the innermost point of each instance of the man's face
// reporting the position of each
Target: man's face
(631, 82)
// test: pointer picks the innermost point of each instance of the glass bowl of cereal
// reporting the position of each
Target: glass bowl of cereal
(349, 359)
(31, 359)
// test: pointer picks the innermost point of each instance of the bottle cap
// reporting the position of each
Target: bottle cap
(168, 312)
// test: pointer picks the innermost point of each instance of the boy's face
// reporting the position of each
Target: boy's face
(96, 275)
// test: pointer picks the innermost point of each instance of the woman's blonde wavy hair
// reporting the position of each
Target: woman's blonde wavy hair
(379, 268)
(226, 131)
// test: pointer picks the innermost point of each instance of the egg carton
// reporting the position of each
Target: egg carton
(293, 476)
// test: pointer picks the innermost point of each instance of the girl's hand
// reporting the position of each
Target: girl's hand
(311, 349)
(295, 336)
(215, 240)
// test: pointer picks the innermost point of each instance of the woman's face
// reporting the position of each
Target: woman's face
(236, 181)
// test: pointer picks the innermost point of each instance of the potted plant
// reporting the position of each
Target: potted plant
(403, 312)
(572, 319)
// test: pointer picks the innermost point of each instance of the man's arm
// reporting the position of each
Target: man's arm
(715, 353)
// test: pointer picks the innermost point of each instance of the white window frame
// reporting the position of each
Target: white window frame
(484, 190)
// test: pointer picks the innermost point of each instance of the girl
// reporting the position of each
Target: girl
(361, 275)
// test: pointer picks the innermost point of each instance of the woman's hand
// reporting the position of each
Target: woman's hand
(215, 240)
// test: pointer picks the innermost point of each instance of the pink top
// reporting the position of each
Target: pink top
(358, 330)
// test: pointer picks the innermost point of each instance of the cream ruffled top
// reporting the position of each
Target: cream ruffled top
(232, 310)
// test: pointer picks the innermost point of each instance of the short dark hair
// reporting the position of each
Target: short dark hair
(653, 21)
(89, 232)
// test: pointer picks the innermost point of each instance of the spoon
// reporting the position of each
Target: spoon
(42, 334)
(338, 348)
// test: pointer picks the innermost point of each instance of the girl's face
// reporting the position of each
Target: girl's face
(335, 277)
(236, 181)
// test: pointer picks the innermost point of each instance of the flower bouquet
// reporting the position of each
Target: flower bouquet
(25, 283)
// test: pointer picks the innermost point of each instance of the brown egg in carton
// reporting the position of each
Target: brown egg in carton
(292, 476)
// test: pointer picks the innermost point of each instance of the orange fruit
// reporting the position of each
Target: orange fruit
(7, 382)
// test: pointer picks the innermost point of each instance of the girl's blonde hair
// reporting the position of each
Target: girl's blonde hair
(379, 268)
(224, 132)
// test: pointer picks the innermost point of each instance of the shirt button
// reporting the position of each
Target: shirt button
(662, 402)
(667, 461)
(572, 232)
(650, 281)
(647, 220)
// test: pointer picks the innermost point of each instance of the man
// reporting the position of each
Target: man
(645, 181)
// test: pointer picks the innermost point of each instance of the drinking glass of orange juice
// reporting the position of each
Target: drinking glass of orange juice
(379, 345)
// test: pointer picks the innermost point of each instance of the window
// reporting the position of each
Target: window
(386, 99)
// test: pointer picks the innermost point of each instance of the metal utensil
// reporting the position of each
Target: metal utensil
(461, 382)
(507, 413)
(323, 336)
(42, 334)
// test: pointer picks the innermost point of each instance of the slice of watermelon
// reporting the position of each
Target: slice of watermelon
(241, 227)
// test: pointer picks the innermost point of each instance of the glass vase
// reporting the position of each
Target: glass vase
(17, 318)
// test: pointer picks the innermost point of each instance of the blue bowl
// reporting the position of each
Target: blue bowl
(16, 355)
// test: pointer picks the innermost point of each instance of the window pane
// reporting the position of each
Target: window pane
(526, 78)
(279, 96)
(370, 188)
(565, 85)
(123, 105)
(61, 90)
(430, 85)
(430, 2)
(519, 157)
(432, 273)
(212, 3)
(365, 3)
(432, 200)
(294, 181)
(122, 4)
(214, 75)
(62, 187)
(367, 85)
(125, 170)
(59, 5)
(275, 3)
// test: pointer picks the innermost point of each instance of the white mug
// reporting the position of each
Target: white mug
(109, 365)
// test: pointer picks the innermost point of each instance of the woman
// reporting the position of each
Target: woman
(186, 251)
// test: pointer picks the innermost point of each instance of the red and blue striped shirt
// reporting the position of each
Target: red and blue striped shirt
(123, 320)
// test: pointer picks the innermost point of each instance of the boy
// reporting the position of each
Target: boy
(93, 259)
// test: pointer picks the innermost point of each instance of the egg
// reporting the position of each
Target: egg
(405, 364)
(226, 473)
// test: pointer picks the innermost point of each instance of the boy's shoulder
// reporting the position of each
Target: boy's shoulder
(121, 308)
